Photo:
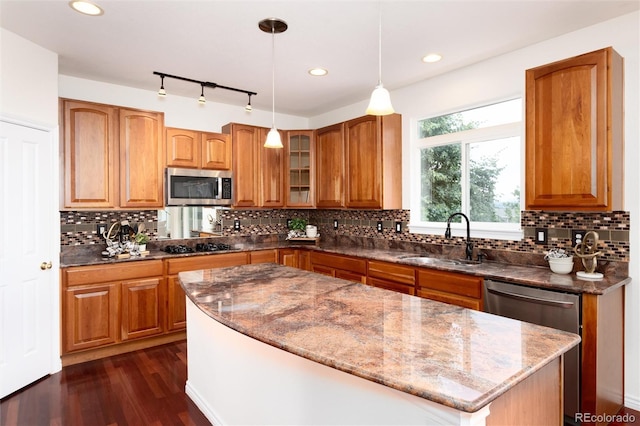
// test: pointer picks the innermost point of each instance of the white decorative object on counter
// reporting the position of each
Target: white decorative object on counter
(560, 261)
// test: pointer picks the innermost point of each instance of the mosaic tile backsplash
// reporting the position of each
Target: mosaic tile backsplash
(80, 227)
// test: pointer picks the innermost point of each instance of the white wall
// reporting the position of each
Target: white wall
(179, 111)
(29, 83)
(503, 77)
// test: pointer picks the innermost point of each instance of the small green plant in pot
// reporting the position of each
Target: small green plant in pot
(141, 240)
(297, 226)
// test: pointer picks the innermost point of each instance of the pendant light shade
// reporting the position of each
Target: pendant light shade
(380, 103)
(273, 26)
(273, 139)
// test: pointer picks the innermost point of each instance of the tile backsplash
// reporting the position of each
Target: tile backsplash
(80, 227)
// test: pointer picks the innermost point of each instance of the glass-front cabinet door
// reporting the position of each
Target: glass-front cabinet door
(299, 163)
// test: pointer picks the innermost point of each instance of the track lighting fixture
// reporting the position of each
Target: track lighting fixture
(162, 92)
(380, 103)
(201, 99)
(248, 108)
(273, 26)
(202, 84)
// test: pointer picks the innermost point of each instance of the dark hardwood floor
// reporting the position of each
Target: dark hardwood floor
(145, 387)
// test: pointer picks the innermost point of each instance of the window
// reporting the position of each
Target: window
(469, 162)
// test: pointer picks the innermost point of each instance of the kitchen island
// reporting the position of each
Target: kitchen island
(273, 344)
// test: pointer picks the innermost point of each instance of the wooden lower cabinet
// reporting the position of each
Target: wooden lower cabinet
(176, 302)
(392, 276)
(296, 258)
(339, 266)
(142, 304)
(450, 287)
(90, 316)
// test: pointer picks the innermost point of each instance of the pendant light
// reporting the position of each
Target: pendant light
(273, 26)
(380, 103)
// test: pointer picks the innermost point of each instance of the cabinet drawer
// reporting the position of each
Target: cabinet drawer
(350, 276)
(79, 275)
(264, 256)
(392, 272)
(452, 299)
(337, 261)
(206, 262)
(449, 282)
(392, 285)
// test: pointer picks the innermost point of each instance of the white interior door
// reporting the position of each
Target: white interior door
(28, 269)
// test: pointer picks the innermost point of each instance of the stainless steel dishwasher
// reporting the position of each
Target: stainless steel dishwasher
(543, 307)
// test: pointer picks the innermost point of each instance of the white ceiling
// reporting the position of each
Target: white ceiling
(219, 41)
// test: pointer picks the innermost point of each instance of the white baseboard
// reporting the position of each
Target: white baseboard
(631, 401)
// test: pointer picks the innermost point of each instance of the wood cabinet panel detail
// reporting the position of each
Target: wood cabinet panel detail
(143, 303)
(574, 134)
(216, 151)
(141, 158)
(183, 148)
(90, 316)
(264, 256)
(330, 166)
(90, 149)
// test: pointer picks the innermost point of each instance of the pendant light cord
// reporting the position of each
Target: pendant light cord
(379, 43)
(273, 77)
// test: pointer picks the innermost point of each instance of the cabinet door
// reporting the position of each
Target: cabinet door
(271, 173)
(176, 305)
(216, 151)
(574, 139)
(141, 158)
(142, 308)
(350, 276)
(90, 145)
(288, 257)
(244, 140)
(329, 166)
(183, 148)
(299, 168)
(363, 163)
(304, 260)
(450, 287)
(392, 285)
(90, 316)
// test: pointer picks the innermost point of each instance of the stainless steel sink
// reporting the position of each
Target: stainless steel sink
(426, 260)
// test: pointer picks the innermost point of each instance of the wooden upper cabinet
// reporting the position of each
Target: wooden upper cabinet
(258, 179)
(574, 134)
(198, 150)
(271, 169)
(299, 165)
(373, 162)
(245, 163)
(215, 151)
(183, 148)
(141, 158)
(330, 166)
(90, 154)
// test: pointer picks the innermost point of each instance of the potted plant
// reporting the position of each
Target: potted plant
(141, 240)
(297, 226)
(559, 260)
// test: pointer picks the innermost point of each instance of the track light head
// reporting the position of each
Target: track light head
(201, 99)
(248, 108)
(162, 92)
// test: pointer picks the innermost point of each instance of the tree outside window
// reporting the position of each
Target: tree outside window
(470, 162)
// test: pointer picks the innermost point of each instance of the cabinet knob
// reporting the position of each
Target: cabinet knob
(45, 265)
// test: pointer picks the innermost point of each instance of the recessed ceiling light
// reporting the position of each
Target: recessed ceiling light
(431, 57)
(319, 72)
(86, 7)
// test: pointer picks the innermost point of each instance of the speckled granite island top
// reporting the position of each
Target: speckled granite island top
(453, 356)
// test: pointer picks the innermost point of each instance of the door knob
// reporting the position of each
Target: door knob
(45, 265)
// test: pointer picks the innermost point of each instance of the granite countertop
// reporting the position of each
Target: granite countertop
(527, 275)
(450, 355)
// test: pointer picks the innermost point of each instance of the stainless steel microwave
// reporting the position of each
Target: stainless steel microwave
(195, 187)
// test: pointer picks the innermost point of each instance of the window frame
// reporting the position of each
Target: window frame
(492, 230)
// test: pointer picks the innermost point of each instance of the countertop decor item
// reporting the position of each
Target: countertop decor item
(559, 260)
(587, 251)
